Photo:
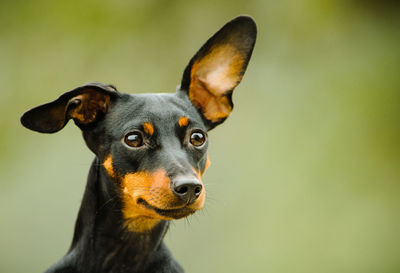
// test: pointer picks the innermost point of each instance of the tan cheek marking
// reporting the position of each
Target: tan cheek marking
(160, 180)
(183, 121)
(148, 128)
(137, 218)
(108, 165)
(154, 189)
(208, 163)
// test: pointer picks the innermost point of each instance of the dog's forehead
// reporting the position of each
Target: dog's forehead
(157, 108)
(160, 104)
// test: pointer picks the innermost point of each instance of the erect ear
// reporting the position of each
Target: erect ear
(83, 104)
(218, 67)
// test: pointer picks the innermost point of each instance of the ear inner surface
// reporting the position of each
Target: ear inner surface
(218, 67)
(82, 104)
(212, 78)
(88, 106)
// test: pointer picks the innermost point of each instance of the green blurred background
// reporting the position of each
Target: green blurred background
(305, 174)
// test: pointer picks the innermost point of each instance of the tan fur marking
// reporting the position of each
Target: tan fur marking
(91, 103)
(155, 189)
(199, 203)
(183, 121)
(137, 218)
(208, 163)
(211, 77)
(148, 128)
(108, 165)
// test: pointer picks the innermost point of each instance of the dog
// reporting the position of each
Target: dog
(150, 154)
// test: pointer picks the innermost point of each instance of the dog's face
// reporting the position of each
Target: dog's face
(156, 152)
(154, 146)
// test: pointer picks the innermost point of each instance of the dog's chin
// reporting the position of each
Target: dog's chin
(176, 213)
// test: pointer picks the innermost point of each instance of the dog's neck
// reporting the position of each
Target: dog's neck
(100, 235)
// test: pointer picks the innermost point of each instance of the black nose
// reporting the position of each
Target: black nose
(187, 189)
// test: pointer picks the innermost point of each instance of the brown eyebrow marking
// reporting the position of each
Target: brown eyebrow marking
(183, 121)
(148, 128)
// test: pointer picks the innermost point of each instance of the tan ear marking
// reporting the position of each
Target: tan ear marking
(213, 77)
(218, 67)
(87, 106)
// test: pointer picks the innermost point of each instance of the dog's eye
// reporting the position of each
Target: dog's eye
(197, 139)
(134, 139)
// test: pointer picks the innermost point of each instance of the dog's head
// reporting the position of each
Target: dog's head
(154, 146)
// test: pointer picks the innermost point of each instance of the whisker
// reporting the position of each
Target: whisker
(105, 204)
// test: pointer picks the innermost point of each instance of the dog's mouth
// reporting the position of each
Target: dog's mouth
(170, 213)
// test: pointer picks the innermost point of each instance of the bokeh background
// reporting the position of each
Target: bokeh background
(305, 173)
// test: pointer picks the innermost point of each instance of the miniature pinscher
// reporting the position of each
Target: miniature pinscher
(151, 152)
